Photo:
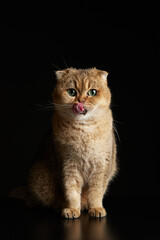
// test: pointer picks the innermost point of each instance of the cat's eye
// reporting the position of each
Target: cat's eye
(92, 92)
(72, 92)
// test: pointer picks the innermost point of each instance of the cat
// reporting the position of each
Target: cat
(79, 157)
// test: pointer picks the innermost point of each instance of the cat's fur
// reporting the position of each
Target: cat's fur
(80, 157)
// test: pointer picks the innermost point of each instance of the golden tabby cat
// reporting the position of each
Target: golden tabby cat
(80, 157)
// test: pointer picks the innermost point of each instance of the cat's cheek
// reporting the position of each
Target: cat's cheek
(66, 100)
(95, 101)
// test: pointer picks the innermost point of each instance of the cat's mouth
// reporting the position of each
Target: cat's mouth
(78, 108)
(84, 112)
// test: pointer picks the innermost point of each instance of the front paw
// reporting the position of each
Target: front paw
(97, 212)
(70, 213)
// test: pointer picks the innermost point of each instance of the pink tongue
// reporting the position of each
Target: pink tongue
(78, 108)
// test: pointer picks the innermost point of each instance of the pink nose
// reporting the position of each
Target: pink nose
(78, 108)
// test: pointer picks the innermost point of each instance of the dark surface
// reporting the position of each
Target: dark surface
(128, 218)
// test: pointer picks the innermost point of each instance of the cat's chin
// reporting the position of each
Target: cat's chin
(84, 112)
(82, 117)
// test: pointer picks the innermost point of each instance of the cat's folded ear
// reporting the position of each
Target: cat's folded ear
(59, 74)
(104, 75)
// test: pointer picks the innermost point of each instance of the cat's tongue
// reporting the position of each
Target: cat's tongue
(78, 108)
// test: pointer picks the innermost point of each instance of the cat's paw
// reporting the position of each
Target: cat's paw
(97, 212)
(70, 213)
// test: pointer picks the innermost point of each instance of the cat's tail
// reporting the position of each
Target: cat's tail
(20, 192)
(23, 193)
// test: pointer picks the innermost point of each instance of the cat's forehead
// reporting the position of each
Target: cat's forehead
(82, 74)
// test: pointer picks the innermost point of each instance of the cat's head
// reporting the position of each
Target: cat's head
(81, 93)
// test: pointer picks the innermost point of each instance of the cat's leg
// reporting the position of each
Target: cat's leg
(98, 186)
(72, 190)
(41, 184)
(95, 195)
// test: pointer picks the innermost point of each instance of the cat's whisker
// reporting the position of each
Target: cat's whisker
(118, 122)
(61, 105)
(41, 109)
(116, 132)
(52, 106)
(61, 108)
(50, 102)
(39, 105)
(47, 108)
(114, 127)
(56, 66)
(65, 62)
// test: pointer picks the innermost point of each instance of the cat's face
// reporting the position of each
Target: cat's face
(81, 93)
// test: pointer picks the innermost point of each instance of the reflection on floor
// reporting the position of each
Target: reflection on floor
(126, 219)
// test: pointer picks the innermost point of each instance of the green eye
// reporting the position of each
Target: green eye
(72, 92)
(92, 92)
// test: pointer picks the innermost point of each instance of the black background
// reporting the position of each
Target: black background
(125, 43)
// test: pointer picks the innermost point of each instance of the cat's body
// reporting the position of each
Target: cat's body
(80, 156)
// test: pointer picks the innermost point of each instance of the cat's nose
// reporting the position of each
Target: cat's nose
(81, 100)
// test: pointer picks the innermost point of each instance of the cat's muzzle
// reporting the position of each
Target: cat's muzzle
(79, 108)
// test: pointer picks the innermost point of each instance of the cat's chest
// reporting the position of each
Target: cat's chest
(85, 144)
(82, 143)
